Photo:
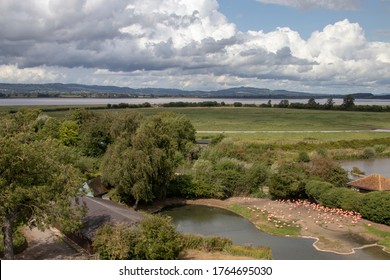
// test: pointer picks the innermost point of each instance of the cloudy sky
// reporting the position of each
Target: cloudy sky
(333, 46)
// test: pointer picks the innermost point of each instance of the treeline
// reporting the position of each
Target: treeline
(347, 105)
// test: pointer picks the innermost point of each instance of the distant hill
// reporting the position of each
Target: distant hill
(64, 90)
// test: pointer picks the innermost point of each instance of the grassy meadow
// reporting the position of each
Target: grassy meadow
(267, 125)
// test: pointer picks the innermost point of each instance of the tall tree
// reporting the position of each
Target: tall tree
(348, 102)
(37, 180)
(142, 167)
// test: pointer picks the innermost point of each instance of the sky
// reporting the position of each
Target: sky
(318, 46)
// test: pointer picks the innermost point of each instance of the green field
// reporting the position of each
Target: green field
(272, 119)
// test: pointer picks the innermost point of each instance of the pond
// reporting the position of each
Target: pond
(369, 166)
(211, 221)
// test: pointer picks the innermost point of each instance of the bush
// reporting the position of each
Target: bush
(154, 238)
(375, 207)
(369, 153)
(303, 156)
(379, 148)
(288, 182)
(329, 171)
(314, 189)
(322, 152)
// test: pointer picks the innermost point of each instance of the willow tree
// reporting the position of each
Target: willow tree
(142, 164)
(38, 182)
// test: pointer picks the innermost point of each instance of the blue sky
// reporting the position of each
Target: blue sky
(318, 46)
(372, 15)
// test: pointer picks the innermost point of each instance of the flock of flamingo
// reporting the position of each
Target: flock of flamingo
(298, 213)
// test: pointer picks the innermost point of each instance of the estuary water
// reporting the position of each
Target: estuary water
(105, 101)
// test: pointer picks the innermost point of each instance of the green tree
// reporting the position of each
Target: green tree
(329, 104)
(154, 238)
(69, 133)
(311, 103)
(289, 181)
(284, 103)
(328, 170)
(141, 168)
(37, 181)
(348, 102)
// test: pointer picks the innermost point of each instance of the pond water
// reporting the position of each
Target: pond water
(369, 166)
(211, 221)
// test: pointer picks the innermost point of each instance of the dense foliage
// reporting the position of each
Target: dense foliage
(373, 206)
(38, 178)
(142, 160)
(154, 238)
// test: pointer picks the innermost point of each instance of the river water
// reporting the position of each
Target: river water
(211, 221)
(105, 101)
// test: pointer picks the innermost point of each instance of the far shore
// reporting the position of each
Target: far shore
(340, 233)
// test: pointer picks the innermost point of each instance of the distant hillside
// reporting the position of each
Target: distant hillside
(64, 90)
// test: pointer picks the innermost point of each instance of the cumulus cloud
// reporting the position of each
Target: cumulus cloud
(13, 74)
(178, 43)
(322, 4)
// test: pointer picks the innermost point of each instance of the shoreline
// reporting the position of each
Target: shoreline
(325, 237)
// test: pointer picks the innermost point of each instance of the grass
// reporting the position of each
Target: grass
(271, 119)
(221, 244)
(294, 137)
(384, 236)
(260, 119)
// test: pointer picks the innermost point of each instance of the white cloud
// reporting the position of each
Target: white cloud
(323, 4)
(178, 43)
(13, 74)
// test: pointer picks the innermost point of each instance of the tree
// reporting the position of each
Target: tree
(348, 102)
(329, 171)
(311, 103)
(37, 181)
(142, 167)
(289, 181)
(329, 103)
(284, 103)
(154, 238)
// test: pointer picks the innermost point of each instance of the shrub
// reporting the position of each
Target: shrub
(356, 170)
(154, 238)
(329, 171)
(379, 148)
(288, 182)
(303, 156)
(375, 207)
(322, 152)
(369, 153)
(314, 189)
